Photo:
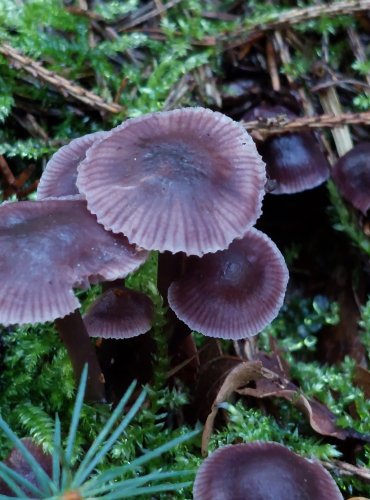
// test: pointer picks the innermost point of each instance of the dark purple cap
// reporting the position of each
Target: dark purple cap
(293, 160)
(187, 180)
(233, 293)
(60, 174)
(351, 174)
(262, 471)
(48, 248)
(119, 313)
(19, 464)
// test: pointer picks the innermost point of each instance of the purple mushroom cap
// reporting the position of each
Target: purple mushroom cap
(19, 464)
(233, 293)
(351, 174)
(293, 160)
(262, 471)
(47, 248)
(187, 180)
(60, 174)
(119, 313)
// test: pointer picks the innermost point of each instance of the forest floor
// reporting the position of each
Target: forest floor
(75, 67)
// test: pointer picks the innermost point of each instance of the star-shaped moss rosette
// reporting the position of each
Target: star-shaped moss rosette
(351, 174)
(294, 161)
(233, 293)
(188, 180)
(262, 470)
(34, 475)
(60, 174)
(48, 248)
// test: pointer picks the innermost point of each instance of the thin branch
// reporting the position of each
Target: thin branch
(149, 15)
(346, 469)
(281, 124)
(61, 84)
(298, 15)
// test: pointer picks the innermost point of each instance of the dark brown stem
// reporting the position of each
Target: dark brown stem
(170, 268)
(73, 332)
(108, 285)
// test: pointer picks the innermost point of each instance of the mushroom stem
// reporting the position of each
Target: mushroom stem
(73, 332)
(171, 268)
(107, 285)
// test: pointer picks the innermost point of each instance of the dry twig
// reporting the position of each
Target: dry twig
(298, 15)
(64, 86)
(282, 124)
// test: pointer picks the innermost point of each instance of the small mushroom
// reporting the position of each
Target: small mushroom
(119, 313)
(48, 248)
(60, 174)
(266, 471)
(293, 160)
(351, 174)
(188, 180)
(233, 293)
(19, 464)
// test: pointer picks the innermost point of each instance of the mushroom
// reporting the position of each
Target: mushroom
(48, 248)
(119, 313)
(293, 160)
(60, 174)
(267, 471)
(351, 174)
(17, 462)
(188, 180)
(233, 293)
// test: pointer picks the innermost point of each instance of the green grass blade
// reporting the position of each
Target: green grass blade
(44, 480)
(134, 492)
(112, 439)
(90, 491)
(56, 451)
(76, 416)
(6, 471)
(150, 455)
(115, 472)
(91, 453)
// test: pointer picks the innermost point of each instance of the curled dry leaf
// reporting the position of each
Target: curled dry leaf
(270, 381)
(239, 376)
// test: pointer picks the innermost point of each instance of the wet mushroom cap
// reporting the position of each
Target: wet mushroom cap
(234, 293)
(294, 160)
(186, 180)
(262, 471)
(47, 248)
(351, 174)
(119, 313)
(60, 174)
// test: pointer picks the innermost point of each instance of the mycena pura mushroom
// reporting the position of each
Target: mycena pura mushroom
(59, 246)
(188, 180)
(263, 471)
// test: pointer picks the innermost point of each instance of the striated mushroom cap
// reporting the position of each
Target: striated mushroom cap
(60, 174)
(47, 248)
(233, 293)
(351, 174)
(119, 313)
(187, 180)
(262, 471)
(294, 160)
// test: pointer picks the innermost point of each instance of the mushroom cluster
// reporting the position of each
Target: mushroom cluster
(187, 182)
